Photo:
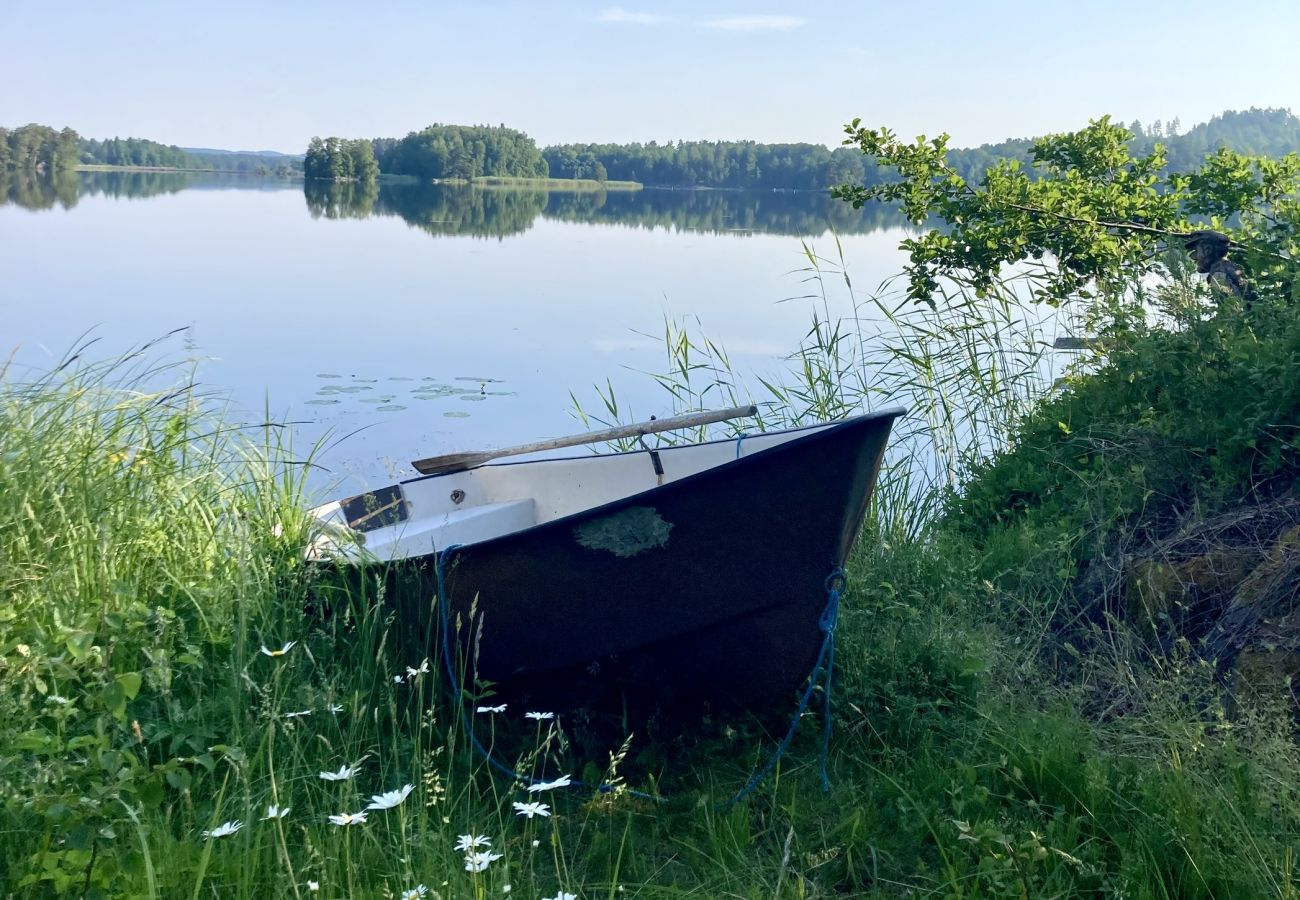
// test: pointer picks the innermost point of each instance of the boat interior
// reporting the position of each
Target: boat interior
(423, 515)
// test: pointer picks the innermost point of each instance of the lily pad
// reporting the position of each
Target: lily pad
(322, 402)
(456, 414)
(391, 407)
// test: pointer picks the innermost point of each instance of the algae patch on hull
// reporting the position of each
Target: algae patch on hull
(626, 533)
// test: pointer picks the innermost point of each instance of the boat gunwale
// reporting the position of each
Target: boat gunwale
(823, 428)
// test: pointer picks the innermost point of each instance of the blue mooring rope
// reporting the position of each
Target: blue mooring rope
(821, 672)
(740, 437)
(825, 660)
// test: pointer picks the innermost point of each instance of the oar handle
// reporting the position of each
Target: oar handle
(455, 462)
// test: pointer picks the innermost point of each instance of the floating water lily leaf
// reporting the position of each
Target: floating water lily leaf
(480, 380)
(322, 402)
(391, 407)
(456, 414)
(472, 397)
(328, 375)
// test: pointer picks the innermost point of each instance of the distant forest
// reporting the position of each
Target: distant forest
(42, 148)
(466, 152)
(745, 164)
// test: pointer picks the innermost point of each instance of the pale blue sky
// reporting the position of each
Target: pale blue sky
(270, 75)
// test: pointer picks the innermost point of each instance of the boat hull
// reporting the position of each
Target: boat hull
(706, 591)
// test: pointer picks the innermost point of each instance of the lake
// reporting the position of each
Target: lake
(415, 319)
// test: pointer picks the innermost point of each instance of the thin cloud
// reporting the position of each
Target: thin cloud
(619, 14)
(754, 23)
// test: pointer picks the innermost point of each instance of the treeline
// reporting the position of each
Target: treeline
(1254, 132)
(463, 152)
(336, 159)
(746, 164)
(718, 164)
(43, 149)
(39, 148)
(135, 152)
(441, 152)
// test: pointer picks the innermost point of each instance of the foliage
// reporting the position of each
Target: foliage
(462, 152)
(1167, 425)
(40, 147)
(1088, 216)
(336, 159)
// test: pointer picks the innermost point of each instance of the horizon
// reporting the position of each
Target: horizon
(191, 148)
(598, 73)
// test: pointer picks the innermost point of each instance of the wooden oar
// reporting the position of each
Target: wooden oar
(456, 462)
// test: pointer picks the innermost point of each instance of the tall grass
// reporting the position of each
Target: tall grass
(967, 369)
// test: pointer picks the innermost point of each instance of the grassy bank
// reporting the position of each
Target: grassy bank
(166, 678)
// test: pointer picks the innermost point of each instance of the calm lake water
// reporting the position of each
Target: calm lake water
(414, 319)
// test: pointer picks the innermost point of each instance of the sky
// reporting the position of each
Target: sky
(269, 76)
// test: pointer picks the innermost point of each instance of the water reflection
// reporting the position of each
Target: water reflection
(504, 211)
(485, 212)
(64, 188)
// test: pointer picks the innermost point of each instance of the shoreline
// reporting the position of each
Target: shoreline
(103, 167)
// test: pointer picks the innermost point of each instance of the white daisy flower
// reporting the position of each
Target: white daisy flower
(536, 843)
(539, 716)
(505, 888)
(313, 886)
(491, 709)
(397, 679)
(391, 798)
(424, 668)
(275, 812)
(281, 652)
(224, 830)
(335, 708)
(348, 818)
(343, 774)
(476, 861)
(532, 809)
(469, 842)
(298, 714)
(562, 781)
(414, 893)
(562, 895)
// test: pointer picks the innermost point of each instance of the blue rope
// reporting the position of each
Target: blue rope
(740, 437)
(821, 672)
(440, 569)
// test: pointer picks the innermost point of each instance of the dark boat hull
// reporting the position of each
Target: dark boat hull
(705, 591)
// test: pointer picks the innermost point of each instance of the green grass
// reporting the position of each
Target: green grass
(149, 550)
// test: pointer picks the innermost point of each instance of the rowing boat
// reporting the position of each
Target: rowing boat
(694, 573)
